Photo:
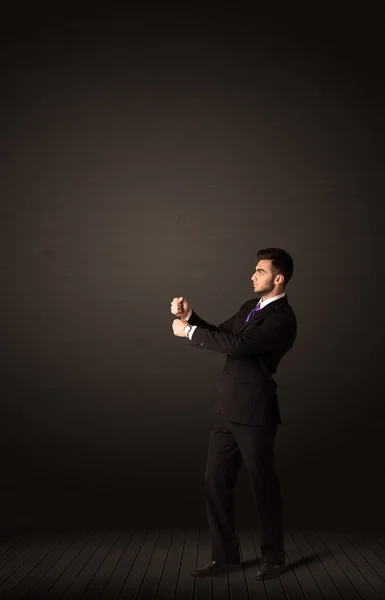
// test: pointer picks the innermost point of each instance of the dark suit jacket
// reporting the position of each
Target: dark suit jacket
(247, 390)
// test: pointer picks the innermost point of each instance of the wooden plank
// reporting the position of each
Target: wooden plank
(9, 543)
(362, 564)
(152, 565)
(325, 583)
(185, 584)
(135, 574)
(137, 571)
(118, 576)
(274, 587)
(66, 578)
(343, 583)
(377, 548)
(237, 580)
(36, 575)
(289, 580)
(103, 572)
(305, 578)
(87, 572)
(50, 578)
(168, 582)
(360, 542)
(13, 565)
(220, 586)
(349, 568)
(255, 589)
(202, 585)
(15, 549)
(25, 569)
(154, 572)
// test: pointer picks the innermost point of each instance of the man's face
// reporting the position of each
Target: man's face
(263, 279)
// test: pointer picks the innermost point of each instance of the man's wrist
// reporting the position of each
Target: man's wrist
(191, 332)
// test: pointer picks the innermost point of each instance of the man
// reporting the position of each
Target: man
(247, 414)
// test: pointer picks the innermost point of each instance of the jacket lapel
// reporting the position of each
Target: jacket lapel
(260, 314)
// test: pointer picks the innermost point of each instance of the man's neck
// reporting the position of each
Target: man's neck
(272, 295)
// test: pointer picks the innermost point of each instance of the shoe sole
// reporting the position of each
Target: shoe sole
(214, 571)
(271, 575)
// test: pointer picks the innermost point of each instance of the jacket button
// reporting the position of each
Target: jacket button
(201, 343)
(226, 372)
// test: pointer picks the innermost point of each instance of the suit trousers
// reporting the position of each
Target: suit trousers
(230, 445)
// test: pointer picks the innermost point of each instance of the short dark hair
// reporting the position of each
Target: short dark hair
(281, 262)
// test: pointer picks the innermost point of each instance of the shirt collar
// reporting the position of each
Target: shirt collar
(262, 304)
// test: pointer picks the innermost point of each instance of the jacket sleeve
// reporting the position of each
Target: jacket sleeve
(256, 339)
(197, 320)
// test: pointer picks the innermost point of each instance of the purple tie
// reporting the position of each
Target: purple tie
(258, 307)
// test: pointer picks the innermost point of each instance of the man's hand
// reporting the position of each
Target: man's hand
(180, 307)
(178, 326)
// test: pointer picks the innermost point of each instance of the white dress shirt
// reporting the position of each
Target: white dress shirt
(261, 304)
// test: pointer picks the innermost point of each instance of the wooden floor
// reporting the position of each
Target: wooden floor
(144, 565)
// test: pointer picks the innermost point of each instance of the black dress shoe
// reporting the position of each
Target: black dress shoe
(269, 571)
(214, 567)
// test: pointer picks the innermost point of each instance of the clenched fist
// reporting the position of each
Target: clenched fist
(180, 307)
(178, 326)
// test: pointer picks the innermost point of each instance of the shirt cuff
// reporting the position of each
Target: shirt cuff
(190, 333)
(188, 314)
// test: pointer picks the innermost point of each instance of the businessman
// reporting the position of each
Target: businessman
(254, 340)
